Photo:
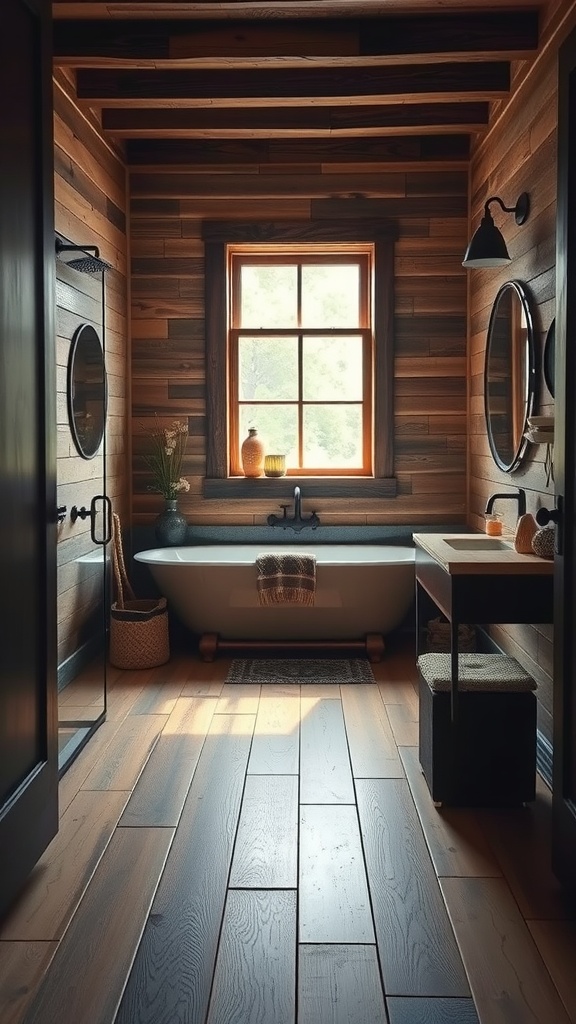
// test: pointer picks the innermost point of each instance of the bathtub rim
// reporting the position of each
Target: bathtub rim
(377, 554)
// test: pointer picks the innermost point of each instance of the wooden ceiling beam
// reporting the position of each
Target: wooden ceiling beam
(410, 83)
(402, 149)
(298, 122)
(251, 9)
(386, 41)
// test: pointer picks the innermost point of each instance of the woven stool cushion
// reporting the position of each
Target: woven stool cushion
(476, 672)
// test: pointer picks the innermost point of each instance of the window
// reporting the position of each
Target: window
(299, 322)
(300, 356)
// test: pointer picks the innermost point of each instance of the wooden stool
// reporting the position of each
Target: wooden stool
(492, 759)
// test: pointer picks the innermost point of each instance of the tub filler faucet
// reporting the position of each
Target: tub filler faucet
(295, 522)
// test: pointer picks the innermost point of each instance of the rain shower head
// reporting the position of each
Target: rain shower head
(84, 264)
(89, 265)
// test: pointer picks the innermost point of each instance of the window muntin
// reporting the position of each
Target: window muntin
(301, 355)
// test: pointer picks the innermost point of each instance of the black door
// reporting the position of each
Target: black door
(28, 714)
(564, 785)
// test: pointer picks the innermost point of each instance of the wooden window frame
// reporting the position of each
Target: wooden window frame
(217, 236)
(362, 256)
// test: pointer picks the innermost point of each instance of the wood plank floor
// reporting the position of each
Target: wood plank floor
(245, 855)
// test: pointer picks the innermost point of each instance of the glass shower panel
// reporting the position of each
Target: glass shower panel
(81, 469)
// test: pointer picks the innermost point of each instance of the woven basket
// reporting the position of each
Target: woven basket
(438, 637)
(138, 628)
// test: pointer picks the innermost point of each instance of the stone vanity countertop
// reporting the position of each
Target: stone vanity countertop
(478, 560)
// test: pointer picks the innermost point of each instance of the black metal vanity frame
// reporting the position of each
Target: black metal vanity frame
(476, 598)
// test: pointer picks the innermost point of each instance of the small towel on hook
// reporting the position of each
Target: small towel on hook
(286, 578)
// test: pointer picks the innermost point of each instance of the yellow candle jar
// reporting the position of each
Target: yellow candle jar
(275, 465)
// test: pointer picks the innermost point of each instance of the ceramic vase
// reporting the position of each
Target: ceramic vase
(170, 526)
(252, 454)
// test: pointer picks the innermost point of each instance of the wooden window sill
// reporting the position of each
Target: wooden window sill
(283, 487)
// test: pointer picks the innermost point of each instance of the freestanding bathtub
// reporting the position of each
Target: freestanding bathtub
(361, 589)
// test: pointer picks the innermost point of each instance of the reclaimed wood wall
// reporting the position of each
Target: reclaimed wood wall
(442, 461)
(519, 154)
(90, 197)
(429, 205)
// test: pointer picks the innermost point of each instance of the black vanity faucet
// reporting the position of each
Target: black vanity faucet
(519, 496)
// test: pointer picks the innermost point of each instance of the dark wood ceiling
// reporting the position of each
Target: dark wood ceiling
(401, 81)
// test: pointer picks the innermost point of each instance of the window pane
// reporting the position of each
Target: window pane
(267, 368)
(332, 369)
(330, 295)
(277, 426)
(333, 436)
(269, 296)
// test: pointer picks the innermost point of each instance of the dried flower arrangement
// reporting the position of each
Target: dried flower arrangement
(165, 459)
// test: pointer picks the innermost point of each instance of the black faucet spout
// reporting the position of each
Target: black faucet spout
(296, 522)
(519, 496)
(297, 503)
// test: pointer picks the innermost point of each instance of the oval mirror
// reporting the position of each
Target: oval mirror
(550, 357)
(509, 374)
(87, 392)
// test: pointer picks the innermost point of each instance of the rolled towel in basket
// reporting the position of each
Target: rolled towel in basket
(286, 578)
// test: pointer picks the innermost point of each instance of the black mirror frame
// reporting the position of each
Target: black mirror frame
(76, 339)
(549, 358)
(522, 292)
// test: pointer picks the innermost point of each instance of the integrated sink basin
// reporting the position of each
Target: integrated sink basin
(478, 554)
(479, 544)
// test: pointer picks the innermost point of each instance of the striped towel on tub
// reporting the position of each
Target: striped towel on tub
(286, 578)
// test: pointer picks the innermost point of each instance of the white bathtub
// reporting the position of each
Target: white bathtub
(360, 589)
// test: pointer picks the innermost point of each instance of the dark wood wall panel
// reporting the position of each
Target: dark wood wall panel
(168, 368)
(519, 154)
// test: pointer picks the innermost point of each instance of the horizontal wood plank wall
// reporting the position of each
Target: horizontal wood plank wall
(91, 201)
(168, 205)
(517, 155)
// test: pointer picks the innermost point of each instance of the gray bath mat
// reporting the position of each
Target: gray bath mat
(300, 670)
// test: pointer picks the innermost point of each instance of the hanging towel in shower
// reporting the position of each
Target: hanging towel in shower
(286, 577)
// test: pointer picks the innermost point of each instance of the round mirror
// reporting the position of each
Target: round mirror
(509, 374)
(87, 393)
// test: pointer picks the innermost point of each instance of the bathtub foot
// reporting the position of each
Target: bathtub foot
(207, 646)
(374, 647)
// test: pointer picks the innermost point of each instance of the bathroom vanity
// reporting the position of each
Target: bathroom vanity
(472, 578)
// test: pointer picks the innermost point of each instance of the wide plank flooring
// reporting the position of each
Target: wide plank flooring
(271, 855)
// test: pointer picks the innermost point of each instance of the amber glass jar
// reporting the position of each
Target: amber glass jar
(493, 525)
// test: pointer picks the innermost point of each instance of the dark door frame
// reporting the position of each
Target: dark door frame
(564, 762)
(29, 801)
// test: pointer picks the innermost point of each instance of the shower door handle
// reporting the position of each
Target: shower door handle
(107, 534)
(91, 514)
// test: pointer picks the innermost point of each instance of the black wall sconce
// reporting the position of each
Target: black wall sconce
(487, 247)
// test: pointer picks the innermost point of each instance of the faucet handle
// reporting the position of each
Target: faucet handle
(547, 515)
(556, 516)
